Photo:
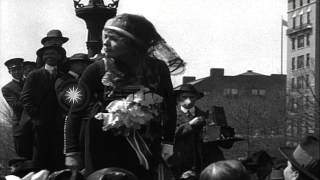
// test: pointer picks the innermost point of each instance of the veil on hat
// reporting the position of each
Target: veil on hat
(142, 31)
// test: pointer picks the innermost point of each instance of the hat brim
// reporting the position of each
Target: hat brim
(286, 152)
(63, 39)
(58, 48)
(198, 94)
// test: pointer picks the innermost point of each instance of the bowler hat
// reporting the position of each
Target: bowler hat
(15, 62)
(65, 174)
(187, 88)
(60, 50)
(79, 57)
(305, 157)
(54, 34)
(112, 174)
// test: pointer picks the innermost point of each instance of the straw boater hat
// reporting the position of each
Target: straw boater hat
(56, 35)
(14, 63)
(305, 157)
(188, 88)
(112, 173)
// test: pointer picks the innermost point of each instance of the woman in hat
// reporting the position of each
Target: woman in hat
(124, 66)
(304, 160)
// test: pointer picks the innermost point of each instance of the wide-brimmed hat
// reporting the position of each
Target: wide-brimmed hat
(187, 88)
(79, 57)
(65, 174)
(60, 50)
(14, 62)
(305, 157)
(111, 174)
(135, 27)
(54, 34)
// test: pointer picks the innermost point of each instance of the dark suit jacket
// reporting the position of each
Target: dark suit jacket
(11, 92)
(38, 97)
(187, 148)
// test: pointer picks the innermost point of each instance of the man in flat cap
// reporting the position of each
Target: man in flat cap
(11, 92)
(66, 87)
(39, 100)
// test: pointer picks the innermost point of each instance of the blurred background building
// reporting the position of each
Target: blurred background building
(302, 68)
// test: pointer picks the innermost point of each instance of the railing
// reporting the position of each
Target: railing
(302, 27)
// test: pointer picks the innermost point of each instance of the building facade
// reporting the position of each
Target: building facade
(302, 68)
(254, 104)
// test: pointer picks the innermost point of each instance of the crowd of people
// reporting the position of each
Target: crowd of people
(56, 101)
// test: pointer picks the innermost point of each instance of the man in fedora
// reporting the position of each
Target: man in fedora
(12, 92)
(54, 37)
(303, 160)
(190, 121)
(28, 66)
(40, 102)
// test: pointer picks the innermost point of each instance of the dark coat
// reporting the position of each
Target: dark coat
(187, 148)
(11, 93)
(21, 122)
(104, 149)
(39, 100)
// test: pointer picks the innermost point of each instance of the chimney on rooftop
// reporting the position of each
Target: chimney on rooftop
(187, 79)
(217, 72)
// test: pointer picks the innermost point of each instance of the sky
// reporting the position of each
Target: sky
(237, 35)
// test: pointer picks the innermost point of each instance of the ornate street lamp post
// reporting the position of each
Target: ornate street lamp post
(95, 14)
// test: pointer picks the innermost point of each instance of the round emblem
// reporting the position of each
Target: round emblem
(73, 95)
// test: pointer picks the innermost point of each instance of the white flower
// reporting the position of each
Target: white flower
(118, 105)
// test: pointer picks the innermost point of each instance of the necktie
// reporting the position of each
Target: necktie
(189, 114)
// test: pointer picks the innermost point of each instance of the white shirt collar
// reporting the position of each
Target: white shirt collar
(191, 110)
(75, 75)
(49, 67)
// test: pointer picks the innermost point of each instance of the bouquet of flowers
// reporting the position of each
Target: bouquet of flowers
(131, 113)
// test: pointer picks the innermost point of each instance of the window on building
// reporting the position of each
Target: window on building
(293, 45)
(293, 83)
(293, 22)
(300, 41)
(307, 60)
(300, 62)
(301, 19)
(300, 82)
(293, 63)
(301, 2)
(262, 92)
(308, 39)
(293, 4)
(308, 18)
(307, 80)
(254, 91)
(234, 91)
(306, 101)
(230, 92)
(308, 1)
